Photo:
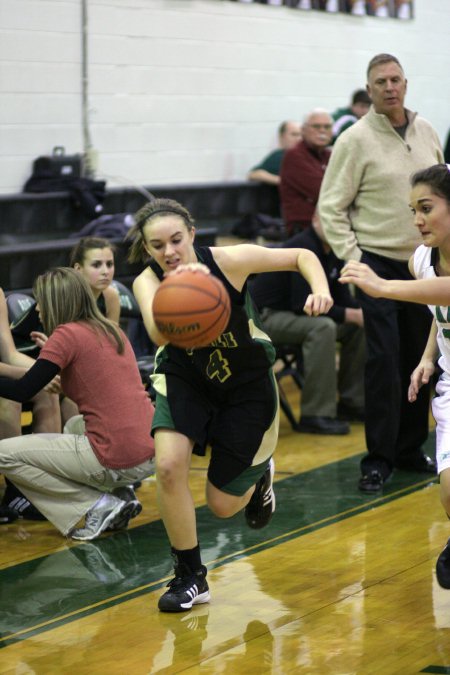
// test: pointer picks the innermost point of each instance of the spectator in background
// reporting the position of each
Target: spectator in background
(269, 224)
(268, 171)
(280, 297)
(365, 215)
(70, 476)
(345, 117)
(302, 171)
(46, 416)
(93, 257)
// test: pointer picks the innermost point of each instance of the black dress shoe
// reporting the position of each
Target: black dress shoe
(372, 481)
(349, 413)
(443, 567)
(418, 462)
(314, 424)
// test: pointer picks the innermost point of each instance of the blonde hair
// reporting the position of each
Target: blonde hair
(64, 296)
(157, 207)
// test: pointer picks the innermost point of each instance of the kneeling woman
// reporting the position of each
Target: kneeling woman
(73, 476)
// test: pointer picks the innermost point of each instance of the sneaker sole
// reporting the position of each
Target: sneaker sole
(260, 526)
(120, 508)
(131, 510)
(200, 599)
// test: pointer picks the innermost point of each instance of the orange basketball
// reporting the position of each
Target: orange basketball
(191, 309)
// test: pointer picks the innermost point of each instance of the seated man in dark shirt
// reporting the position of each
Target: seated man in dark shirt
(268, 170)
(280, 297)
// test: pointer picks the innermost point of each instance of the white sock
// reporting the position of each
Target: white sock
(404, 11)
(382, 10)
(359, 7)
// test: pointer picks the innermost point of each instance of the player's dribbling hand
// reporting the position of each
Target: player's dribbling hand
(317, 303)
(192, 267)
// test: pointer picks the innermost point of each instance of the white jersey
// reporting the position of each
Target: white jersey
(424, 261)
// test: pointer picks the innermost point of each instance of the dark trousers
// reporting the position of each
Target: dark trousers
(396, 334)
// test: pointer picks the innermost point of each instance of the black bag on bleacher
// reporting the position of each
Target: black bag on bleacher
(57, 165)
(62, 173)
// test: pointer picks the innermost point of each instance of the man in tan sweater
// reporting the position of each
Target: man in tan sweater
(364, 210)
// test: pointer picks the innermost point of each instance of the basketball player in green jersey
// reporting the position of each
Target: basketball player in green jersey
(223, 395)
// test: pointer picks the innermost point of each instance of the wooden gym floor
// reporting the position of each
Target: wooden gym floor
(339, 582)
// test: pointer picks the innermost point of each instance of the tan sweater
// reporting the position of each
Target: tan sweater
(364, 197)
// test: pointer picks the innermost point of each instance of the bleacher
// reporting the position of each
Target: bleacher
(36, 229)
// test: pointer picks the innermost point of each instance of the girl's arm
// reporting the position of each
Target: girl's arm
(421, 375)
(309, 266)
(434, 291)
(7, 347)
(8, 352)
(112, 302)
(238, 262)
(144, 289)
(35, 379)
(15, 372)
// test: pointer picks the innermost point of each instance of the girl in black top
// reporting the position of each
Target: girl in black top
(223, 394)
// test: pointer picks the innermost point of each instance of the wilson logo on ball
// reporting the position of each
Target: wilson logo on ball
(191, 309)
(172, 329)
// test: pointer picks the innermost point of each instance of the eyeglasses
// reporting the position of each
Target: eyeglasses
(327, 127)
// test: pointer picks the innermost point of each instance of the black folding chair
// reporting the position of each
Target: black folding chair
(292, 366)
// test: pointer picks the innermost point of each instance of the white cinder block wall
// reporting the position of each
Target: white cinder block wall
(187, 91)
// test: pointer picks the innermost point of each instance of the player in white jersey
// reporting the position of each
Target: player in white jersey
(430, 265)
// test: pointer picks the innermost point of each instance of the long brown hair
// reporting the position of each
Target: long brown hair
(157, 207)
(85, 244)
(64, 296)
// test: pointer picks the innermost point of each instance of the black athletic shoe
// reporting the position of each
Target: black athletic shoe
(443, 567)
(261, 506)
(185, 590)
(15, 500)
(7, 515)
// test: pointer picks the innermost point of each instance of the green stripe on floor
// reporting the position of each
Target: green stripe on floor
(43, 593)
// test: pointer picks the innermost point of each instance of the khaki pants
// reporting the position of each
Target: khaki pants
(317, 336)
(60, 474)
